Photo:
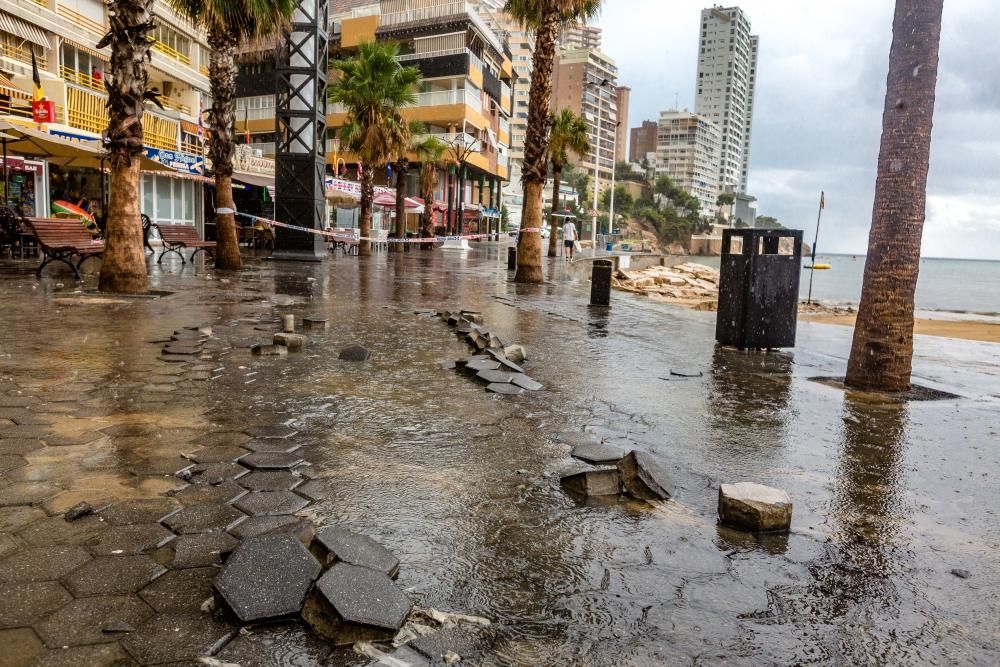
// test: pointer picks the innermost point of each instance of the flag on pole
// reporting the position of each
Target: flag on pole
(360, 170)
(822, 201)
(201, 120)
(36, 79)
(388, 172)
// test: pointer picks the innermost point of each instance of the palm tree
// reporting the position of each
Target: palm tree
(882, 352)
(123, 269)
(402, 166)
(569, 133)
(429, 151)
(545, 17)
(373, 87)
(230, 24)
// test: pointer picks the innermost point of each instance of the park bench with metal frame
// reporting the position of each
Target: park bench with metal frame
(61, 240)
(176, 237)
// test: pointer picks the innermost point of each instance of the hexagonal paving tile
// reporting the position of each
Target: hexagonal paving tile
(222, 454)
(202, 549)
(271, 480)
(84, 438)
(27, 493)
(314, 489)
(56, 530)
(8, 545)
(144, 510)
(15, 518)
(214, 473)
(82, 621)
(180, 590)
(271, 460)
(20, 646)
(364, 596)
(271, 503)
(25, 603)
(199, 494)
(138, 428)
(177, 637)
(261, 525)
(276, 431)
(20, 446)
(249, 649)
(129, 540)
(10, 462)
(113, 575)
(102, 655)
(222, 438)
(341, 544)
(163, 465)
(204, 519)
(270, 445)
(267, 577)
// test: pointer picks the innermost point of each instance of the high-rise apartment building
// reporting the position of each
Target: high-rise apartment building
(727, 74)
(622, 96)
(576, 85)
(643, 141)
(580, 36)
(688, 150)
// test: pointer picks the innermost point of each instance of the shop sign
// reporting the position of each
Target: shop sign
(354, 188)
(183, 162)
(43, 111)
(20, 164)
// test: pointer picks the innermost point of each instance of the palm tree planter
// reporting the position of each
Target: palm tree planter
(123, 269)
(569, 133)
(882, 351)
(373, 87)
(230, 24)
(545, 17)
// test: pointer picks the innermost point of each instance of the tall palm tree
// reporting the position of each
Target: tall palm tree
(430, 151)
(123, 269)
(545, 17)
(229, 24)
(402, 168)
(569, 133)
(373, 87)
(882, 352)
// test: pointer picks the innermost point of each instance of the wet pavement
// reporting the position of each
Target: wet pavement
(891, 558)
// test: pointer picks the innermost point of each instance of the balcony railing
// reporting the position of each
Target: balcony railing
(176, 105)
(431, 54)
(436, 98)
(79, 20)
(171, 52)
(430, 10)
(20, 54)
(87, 110)
(81, 78)
(192, 148)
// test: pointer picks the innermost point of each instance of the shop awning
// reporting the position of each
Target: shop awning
(15, 26)
(259, 180)
(387, 200)
(87, 49)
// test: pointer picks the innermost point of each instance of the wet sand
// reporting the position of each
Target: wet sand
(963, 329)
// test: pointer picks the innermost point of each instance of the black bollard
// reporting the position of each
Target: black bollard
(511, 259)
(600, 283)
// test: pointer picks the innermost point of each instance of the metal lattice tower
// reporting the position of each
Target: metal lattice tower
(300, 126)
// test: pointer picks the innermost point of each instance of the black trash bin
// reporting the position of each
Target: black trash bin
(759, 288)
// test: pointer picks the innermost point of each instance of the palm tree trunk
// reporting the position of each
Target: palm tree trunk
(222, 77)
(399, 225)
(529, 244)
(556, 177)
(882, 351)
(365, 224)
(123, 269)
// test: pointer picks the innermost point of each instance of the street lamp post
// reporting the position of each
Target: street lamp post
(597, 161)
(614, 162)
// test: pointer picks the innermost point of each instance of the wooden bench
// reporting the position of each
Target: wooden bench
(175, 237)
(60, 240)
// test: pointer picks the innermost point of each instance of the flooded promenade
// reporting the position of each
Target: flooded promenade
(891, 558)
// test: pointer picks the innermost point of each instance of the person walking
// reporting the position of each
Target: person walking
(569, 239)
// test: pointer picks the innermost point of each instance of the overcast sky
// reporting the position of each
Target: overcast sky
(817, 122)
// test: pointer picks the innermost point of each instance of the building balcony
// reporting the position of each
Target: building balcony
(412, 12)
(79, 20)
(171, 53)
(87, 110)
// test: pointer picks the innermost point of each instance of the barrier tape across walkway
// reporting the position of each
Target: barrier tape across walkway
(349, 237)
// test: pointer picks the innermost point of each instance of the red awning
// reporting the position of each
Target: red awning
(439, 206)
(387, 200)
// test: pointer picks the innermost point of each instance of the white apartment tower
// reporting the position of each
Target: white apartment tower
(688, 151)
(727, 75)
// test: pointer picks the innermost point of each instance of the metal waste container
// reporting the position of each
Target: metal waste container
(759, 288)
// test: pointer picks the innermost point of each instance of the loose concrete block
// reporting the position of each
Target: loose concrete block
(594, 483)
(754, 507)
(290, 340)
(644, 478)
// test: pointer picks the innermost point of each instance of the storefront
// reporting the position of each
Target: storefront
(26, 186)
(174, 198)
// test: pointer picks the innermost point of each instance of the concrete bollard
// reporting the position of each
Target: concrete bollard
(511, 259)
(600, 283)
(288, 323)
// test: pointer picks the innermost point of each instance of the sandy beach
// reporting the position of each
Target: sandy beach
(965, 329)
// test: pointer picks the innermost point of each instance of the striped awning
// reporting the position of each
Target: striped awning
(15, 26)
(87, 49)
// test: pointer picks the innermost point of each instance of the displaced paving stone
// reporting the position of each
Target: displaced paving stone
(204, 519)
(98, 655)
(20, 446)
(271, 503)
(267, 525)
(577, 438)
(644, 478)
(271, 445)
(216, 473)
(140, 511)
(596, 452)
(271, 460)
(354, 353)
(437, 645)
(77, 511)
(269, 350)
(336, 543)
(55, 530)
(525, 382)
(314, 490)
(506, 389)
(42, 563)
(27, 493)
(605, 482)
(500, 377)
(203, 549)
(25, 603)
(360, 598)
(177, 348)
(178, 637)
(113, 575)
(270, 480)
(292, 341)
(315, 322)
(133, 429)
(131, 540)
(158, 467)
(267, 578)
(754, 507)
(255, 649)
(222, 439)
(180, 590)
(117, 627)
(447, 365)
(482, 365)
(207, 494)
(515, 353)
(218, 454)
(275, 431)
